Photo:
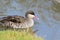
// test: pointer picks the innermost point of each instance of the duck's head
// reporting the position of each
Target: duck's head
(30, 14)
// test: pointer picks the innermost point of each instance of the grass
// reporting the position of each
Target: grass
(16, 35)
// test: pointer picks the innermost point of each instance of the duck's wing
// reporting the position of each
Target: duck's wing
(15, 19)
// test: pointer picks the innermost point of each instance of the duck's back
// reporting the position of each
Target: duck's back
(15, 19)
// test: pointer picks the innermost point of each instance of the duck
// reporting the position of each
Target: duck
(21, 22)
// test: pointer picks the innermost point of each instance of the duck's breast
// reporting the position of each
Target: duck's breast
(29, 23)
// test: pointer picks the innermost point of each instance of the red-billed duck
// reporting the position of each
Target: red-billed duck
(19, 21)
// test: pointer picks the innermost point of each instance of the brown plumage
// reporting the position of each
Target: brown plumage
(15, 19)
(18, 21)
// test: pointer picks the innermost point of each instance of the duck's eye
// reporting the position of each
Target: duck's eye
(32, 13)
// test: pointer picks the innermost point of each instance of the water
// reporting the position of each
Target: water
(48, 13)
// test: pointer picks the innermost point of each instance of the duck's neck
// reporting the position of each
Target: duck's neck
(30, 22)
(29, 19)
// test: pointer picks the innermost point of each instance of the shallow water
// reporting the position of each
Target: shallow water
(48, 13)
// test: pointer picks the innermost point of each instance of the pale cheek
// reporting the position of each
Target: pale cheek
(31, 16)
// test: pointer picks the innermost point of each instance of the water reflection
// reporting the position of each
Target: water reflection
(46, 10)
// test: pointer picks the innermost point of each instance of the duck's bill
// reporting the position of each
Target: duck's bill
(35, 17)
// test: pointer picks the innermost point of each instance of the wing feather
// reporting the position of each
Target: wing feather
(15, 19)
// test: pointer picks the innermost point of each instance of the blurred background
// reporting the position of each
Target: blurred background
(48, 12)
